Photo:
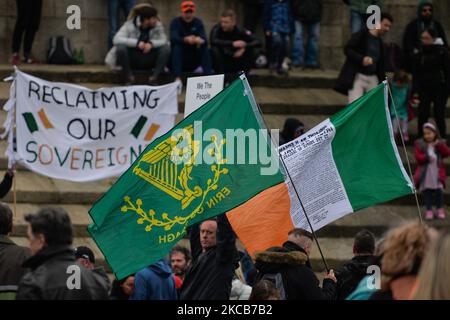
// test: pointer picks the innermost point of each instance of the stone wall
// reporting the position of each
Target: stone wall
(93, 34)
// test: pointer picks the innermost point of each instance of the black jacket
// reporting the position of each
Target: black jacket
(6, 184)
(300, 282)
(431, 68)
(350, 274)
(12, 257)
(180, 29)
(355, 51)
(307, 10)
(224, 40)
(411, 38)
(48, 277)
(211, 273)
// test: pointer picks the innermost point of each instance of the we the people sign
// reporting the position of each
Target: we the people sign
(71, 132)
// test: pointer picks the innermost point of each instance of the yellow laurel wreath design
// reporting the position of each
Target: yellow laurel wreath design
(166, 222)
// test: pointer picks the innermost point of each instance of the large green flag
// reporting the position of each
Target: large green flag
(212, 161)
(346, 163)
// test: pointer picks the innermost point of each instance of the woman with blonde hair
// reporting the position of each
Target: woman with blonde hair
(404, 250)
(433, 282)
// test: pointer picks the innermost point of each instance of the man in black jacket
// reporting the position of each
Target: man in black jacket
(292, 262)
(214, 256)
(351, 273)
(233, 49)
(55, 274)
(12, 256)
(411, 39)
(364, 67)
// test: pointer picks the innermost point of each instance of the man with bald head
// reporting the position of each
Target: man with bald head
(214, 256)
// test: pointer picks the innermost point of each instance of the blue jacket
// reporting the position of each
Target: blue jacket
(277, 16)
(180, 29)
(155, 282)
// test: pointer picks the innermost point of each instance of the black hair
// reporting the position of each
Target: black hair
(54, 224)
(431, 32)
(147, 12)
(185, 251)
(299, 232)
(364, 242)
(388, 16)
(6, 219)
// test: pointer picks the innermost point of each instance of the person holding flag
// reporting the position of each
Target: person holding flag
(214, 255)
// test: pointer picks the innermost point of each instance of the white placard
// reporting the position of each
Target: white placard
(200, 90)
(309, 159)
(70, 132)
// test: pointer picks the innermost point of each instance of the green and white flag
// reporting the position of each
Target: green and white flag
(346, 163)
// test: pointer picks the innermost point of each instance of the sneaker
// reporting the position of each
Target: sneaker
(282, 72)
(29, 60)
(153, 80)
(198, 70)
(286, 65)
(429, 215)
(129, 80)
(440, 213)
(15, 60)
(406, 137)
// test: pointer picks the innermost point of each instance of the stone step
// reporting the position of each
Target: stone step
(336, 240)
(37, 189)
(377, 219)
(274, 122)
(277, 101)
(335, 252)
(99, 73)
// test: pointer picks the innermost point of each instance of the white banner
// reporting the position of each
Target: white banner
(74, 133)
(309, 160)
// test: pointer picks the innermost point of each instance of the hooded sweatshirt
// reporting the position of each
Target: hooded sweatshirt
(155, 282)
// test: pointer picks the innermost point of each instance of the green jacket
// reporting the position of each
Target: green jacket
(361, 5)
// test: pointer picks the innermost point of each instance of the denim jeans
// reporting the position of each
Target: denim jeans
(280, 43)
(357, 21)
(186, 58)
(113, 10)
(312, 45)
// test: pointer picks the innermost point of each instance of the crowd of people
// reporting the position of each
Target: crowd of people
(411, 260)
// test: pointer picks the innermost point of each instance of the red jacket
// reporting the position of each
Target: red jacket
(442, 151)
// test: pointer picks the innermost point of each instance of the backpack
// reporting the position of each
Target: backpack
(60, 51)
(277, 280)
